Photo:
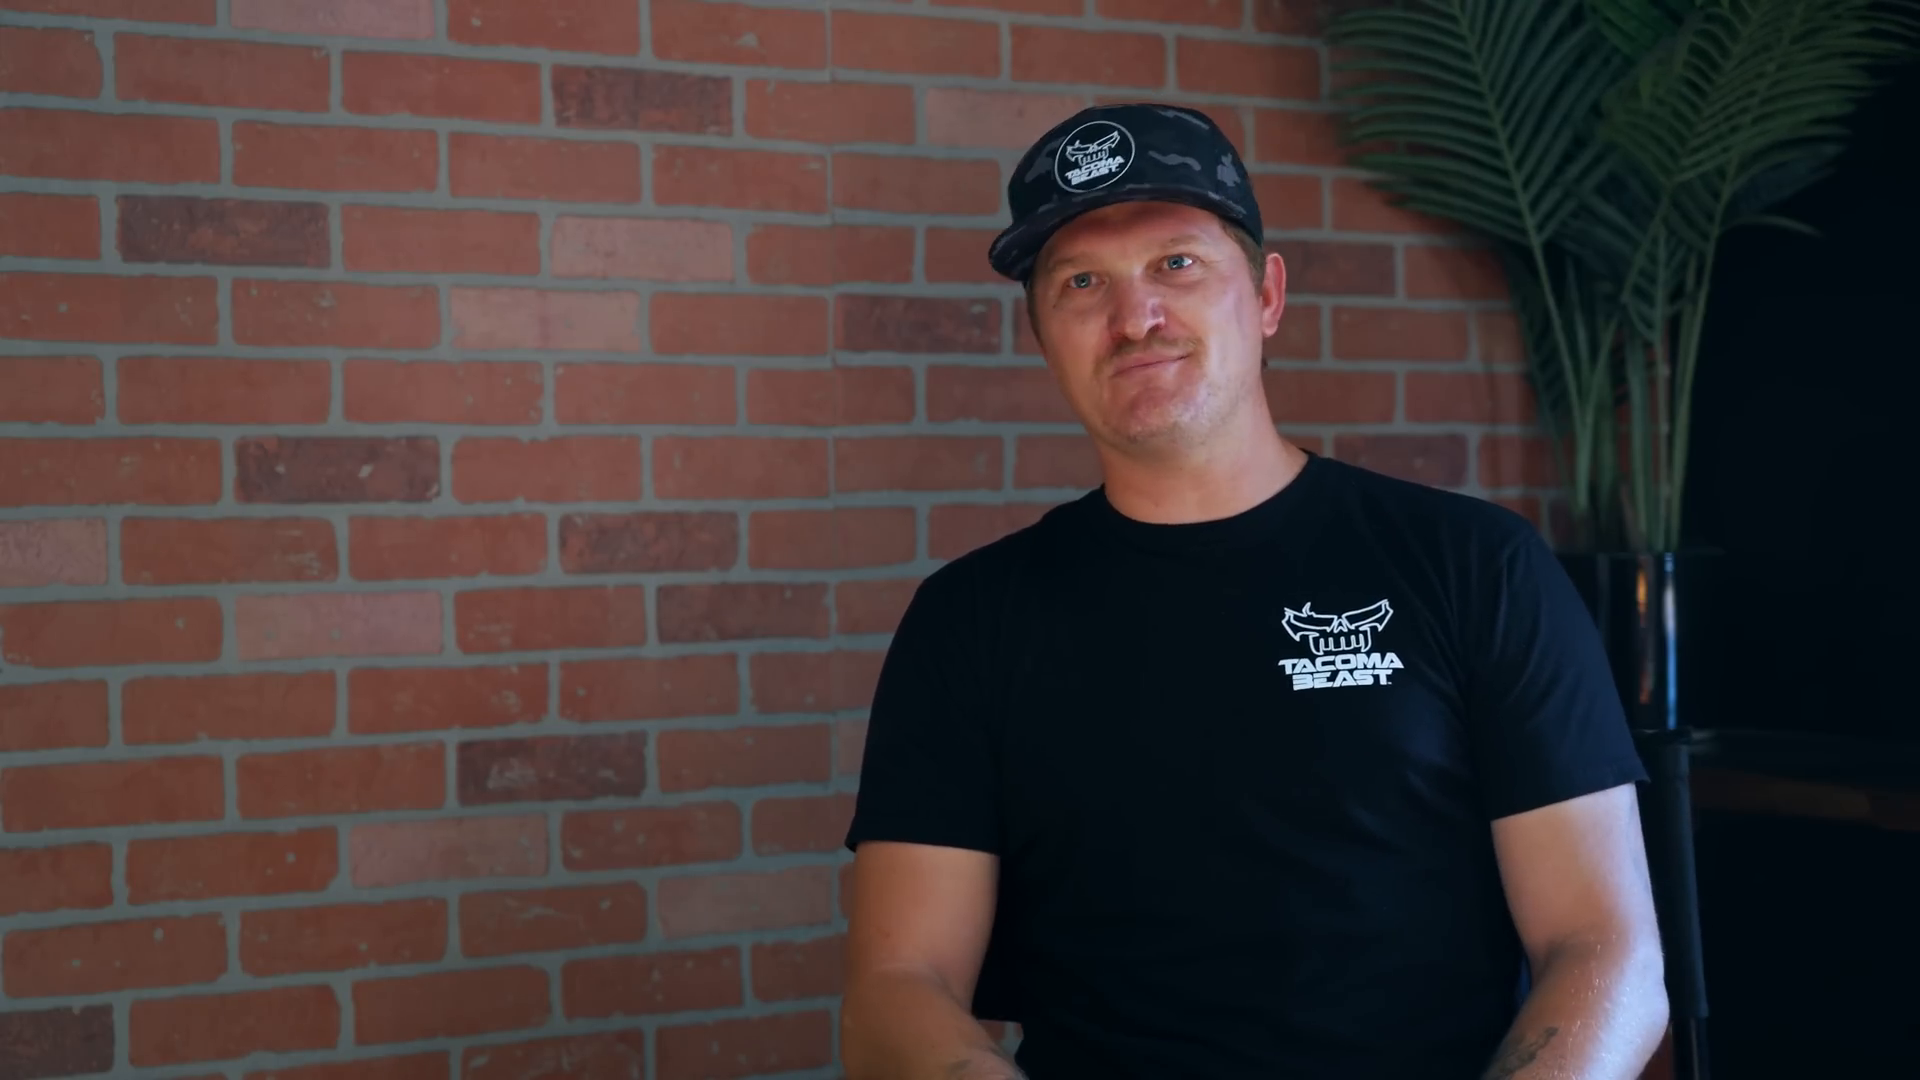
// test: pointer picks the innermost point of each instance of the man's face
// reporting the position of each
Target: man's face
(1150, 321)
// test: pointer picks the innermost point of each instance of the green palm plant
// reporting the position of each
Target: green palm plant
(1602, 149)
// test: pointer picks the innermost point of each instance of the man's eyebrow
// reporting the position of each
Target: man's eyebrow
(1051, 263)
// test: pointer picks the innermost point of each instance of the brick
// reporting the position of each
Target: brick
(1338, 267)
(960, 255)
(814, 682)
(402, 548)
(1477, 397)
(595, 26)
(1377, 333)
(849, 746)
(203, 551)
(541, 920)
(83, 472)
(98, 794)
(231, 864)
(551, 768)
(190, 708)
(304, 625)
(53, 716)
(1024, 342)
(389, 19)
(642, 249)
(918, 463)
(336, 469)
(68, 877)
(729, 33)
(649, 688)
(1301, 18)
(94, 633)
(652, 836)
(1001, 395)
(198, 71)
(760, 180)
(735, 611)
(792, 970)
(830, 112)
(441, 87)
(62, 144)
(431, 1065)
(474, 392)
(63, 63)
(800, 824)
(201, 12)
(525, 167)
(835, 539)
(447, 849)
(830, 397)
(1290, 201)
(744, 1046)
(49, 227)
(909, 185)
(1498, 338)
(653, 393)
(631, 99)
(329, 158)
(1054, 54)
(545, 320)
(1358, 206)
(1024, 7)
(51, 390)
(410, 240)
(1454, 273)
(104, 957)
(65, 551)
(955, 529)
(871, 606)
(915, 44)
(612, 1055)
(105, 308)
(226, 232)
(541, 619)
(814, 255)
(1297, 137)
(341, 780)
(698, 759)
(727, 324)
(386, 701)
(907, 324)
(1437, 460)
(742, 902)
(1510, 461)
(658, 983)
(222, 390)
(648, 541)
(222, 1027)
(1208, 66)
(1222, 13)
(343, 937)
(309, 313)
(565, 468)
(1298, 337)
(68, 1041)
(1296, 396)
(739, 467)
(1055, 461)
(449, 1004)
(961, 116)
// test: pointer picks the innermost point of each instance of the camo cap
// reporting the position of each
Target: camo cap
(1120, 153)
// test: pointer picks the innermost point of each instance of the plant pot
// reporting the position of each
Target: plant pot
(1654, 614)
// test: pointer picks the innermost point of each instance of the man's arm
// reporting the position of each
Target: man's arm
(917, 933)
(1575, 874)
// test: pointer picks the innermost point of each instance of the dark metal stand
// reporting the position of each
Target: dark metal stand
(1666, 809)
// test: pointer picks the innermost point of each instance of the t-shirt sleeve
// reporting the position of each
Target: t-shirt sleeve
(1546, 717)
(928, 771)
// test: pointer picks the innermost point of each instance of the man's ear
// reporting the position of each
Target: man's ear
(1273, 294)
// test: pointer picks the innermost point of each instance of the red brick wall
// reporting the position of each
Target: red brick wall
(460, 461)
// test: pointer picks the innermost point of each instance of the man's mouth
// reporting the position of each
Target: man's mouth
(1147, 361)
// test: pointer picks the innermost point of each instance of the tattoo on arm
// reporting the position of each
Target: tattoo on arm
(1517, 1053)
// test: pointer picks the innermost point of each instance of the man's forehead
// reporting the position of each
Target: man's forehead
(1084, 239)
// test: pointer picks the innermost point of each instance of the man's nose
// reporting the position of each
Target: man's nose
(1138, 309)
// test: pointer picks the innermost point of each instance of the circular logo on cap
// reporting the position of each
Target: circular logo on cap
(1095, 155)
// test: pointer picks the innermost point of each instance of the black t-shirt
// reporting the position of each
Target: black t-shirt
(1240, 774)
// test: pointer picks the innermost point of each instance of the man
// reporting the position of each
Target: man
(1248, 763)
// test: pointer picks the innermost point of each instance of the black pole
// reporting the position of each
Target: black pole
(1667, 821)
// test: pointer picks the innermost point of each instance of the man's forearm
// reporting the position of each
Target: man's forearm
(906, 1026)
(1595, 1012)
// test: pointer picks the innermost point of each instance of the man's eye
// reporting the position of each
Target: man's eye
(1177, 261)
(1080, 281)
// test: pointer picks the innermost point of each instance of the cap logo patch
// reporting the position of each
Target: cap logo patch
(1095, 155)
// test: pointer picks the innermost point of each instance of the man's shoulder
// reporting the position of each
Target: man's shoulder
(1428, 517)
(993, 570)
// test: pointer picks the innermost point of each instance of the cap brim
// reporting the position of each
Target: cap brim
(1013, 251)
